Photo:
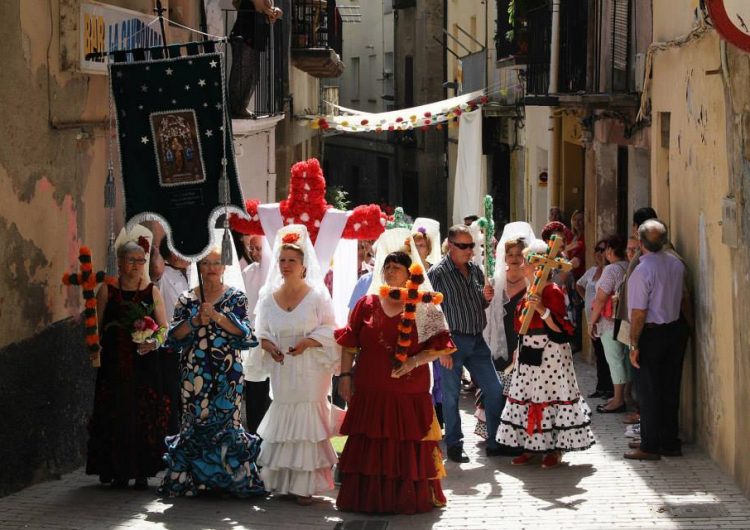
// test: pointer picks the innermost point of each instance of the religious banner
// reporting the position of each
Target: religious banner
(173, 135)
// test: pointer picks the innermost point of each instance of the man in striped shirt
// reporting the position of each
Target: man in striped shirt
(465, 298)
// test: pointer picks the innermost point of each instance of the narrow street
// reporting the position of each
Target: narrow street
(590, 490)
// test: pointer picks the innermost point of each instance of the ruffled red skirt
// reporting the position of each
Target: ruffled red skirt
(392, 461)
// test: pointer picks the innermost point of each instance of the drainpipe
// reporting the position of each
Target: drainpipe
(555, 123)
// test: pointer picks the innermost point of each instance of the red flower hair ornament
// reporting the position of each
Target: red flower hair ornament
(143, 243)
(290, 238)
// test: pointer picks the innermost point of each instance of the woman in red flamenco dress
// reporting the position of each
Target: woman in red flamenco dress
(392, 461)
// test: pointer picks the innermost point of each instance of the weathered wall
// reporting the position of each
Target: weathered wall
(687, 86)
(737, 76)
(537, 143)
(51, 183)
(52, 168)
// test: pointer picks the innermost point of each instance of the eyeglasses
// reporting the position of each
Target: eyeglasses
(135, 261)
(462, 246)
(216, 263)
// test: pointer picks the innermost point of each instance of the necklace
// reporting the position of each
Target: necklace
(513, 282)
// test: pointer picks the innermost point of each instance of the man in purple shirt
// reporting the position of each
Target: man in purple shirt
(658, 337)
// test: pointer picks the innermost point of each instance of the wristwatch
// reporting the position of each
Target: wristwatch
(633, 348)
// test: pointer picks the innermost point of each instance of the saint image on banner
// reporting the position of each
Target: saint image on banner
(178, 152)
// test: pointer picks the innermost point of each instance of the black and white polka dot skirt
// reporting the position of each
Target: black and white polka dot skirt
(545, 410)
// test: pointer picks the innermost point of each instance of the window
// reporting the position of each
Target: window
(355, 79)
(372, 76)
(409, 81)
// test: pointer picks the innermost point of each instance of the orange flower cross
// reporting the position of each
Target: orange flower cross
(410, 295)
(88, 281)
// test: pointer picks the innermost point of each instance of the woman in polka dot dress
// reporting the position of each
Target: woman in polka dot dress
(545, 413)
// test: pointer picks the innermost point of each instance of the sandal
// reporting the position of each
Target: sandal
(551, 460)
(304, 501)
(523, 459)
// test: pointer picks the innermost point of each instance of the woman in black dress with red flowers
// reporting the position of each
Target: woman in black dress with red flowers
(131, 410)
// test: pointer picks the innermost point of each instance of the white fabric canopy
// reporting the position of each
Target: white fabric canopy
(404, 119)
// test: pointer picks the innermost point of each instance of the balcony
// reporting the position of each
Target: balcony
(317, 38)
(269, 71)
(596, 57)
(511, 30)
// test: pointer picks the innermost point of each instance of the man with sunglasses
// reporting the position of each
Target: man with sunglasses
(465, 299)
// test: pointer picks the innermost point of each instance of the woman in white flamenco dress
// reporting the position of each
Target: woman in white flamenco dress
(294, 322)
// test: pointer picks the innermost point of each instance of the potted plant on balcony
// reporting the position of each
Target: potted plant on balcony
(518, 34)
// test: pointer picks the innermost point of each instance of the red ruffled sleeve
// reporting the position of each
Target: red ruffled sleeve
(348, 337)
(553, 298)
(441, 342)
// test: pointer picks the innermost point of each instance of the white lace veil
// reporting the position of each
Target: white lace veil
(430, 319)
(232, 273)
(431, 230)
(517, 230)
(494, 333)
(313, 277)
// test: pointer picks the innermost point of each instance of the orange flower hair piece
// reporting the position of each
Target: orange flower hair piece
(410, 295)
(88, 280)
(290, 238)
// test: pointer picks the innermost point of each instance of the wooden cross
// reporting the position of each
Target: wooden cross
(88, 281)
(411, 296)
(545, 263)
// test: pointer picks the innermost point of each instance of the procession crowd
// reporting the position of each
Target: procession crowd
(183, 347)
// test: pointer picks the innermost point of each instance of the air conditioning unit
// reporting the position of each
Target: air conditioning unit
(639, 71)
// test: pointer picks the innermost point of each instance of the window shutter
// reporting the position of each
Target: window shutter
(620, 35)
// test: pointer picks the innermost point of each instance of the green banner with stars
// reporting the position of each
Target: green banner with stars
(173, 135)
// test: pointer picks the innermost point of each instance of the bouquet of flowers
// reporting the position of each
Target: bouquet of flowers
(143, 329)
(137, 321)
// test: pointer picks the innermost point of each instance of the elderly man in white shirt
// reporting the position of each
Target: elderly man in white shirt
(254, 264)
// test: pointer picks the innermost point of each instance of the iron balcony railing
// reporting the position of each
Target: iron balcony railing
(603, 67)
(270, 70)
(316, 24)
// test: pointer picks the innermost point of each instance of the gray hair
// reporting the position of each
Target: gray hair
(128, 247)
(653, 235)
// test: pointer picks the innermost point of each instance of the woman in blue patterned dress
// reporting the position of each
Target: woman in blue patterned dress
(212, 450)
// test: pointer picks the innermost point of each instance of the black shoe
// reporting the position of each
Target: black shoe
(140, 484)
(120, 483)
(666, 452)
(456, 454)
(502, 450)
(596, 394)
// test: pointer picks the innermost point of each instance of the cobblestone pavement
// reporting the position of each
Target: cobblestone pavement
(592, 489)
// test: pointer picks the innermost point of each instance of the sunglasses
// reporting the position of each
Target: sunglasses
(462, 246)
